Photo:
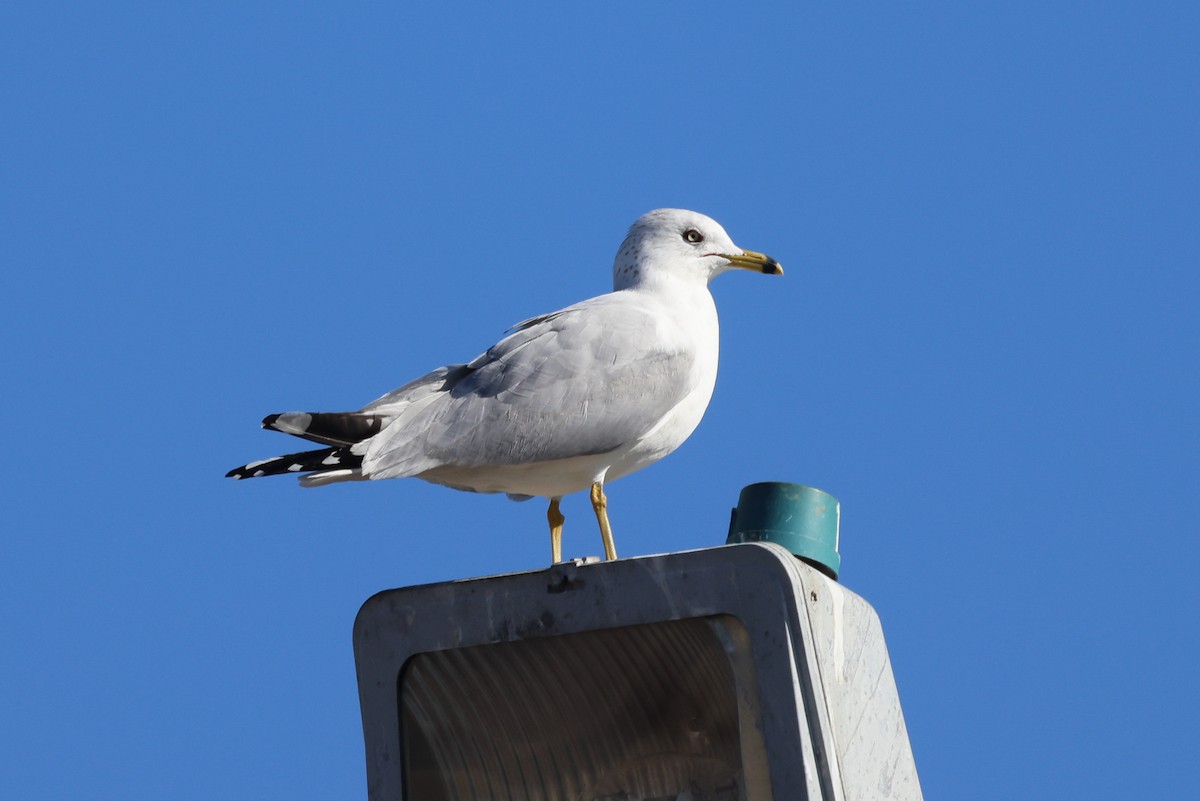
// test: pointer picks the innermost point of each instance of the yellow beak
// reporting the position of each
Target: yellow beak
(758, 262)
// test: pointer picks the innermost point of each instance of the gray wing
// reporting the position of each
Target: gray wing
(424, 388)
(585, 380)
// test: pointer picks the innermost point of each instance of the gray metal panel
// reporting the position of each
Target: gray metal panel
(783, 700)
(865, 721)
(874, 756)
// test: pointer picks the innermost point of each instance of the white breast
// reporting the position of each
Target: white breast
(687, 320)
(694, 320)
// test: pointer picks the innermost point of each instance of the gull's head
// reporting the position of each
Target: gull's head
(676, 244)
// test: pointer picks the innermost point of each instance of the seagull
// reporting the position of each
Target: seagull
(566, 402)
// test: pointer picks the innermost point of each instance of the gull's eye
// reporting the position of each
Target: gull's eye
(693, 236)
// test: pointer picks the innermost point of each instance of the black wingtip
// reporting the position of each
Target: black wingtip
(269, 420)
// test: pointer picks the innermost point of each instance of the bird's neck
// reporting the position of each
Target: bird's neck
(682, 282)
(687, 304)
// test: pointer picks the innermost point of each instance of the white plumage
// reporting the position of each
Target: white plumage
(566, 402)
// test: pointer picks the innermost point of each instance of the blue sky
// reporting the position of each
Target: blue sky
(985, 345)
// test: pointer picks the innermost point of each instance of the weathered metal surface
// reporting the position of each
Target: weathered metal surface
(727, 664)
(874, 757)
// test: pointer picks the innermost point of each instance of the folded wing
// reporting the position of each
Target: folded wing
(572, 383)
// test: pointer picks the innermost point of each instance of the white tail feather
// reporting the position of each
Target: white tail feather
(331, 477)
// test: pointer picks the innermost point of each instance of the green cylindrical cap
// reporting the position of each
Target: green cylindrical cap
(805, 520)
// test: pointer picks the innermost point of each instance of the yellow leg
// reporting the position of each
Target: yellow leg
(600, 504)
(556, 523)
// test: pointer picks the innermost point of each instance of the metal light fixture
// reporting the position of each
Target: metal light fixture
(737, 672)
